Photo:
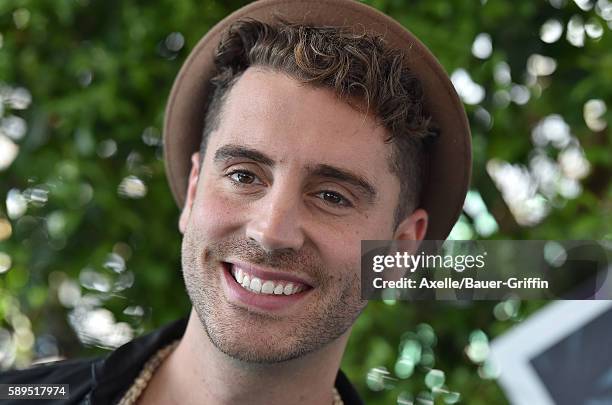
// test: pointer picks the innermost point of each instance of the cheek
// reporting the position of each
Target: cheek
(214, 215)
(341, 252)
(340, 246)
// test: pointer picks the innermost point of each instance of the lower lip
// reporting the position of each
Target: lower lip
(237, 294)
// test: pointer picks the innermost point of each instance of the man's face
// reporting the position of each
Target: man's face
(292, 180)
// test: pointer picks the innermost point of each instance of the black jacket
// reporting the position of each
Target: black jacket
(104, 380)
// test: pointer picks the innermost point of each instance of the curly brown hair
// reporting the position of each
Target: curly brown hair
(360, 69)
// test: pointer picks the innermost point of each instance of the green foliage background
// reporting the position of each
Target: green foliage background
(99, 73)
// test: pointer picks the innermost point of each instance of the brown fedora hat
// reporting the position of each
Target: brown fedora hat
(450, 158)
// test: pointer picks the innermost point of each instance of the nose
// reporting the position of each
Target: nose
(276, 223)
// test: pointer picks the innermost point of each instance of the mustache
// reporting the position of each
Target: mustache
(249, 251)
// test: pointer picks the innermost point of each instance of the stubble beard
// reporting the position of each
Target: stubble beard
(258, 337)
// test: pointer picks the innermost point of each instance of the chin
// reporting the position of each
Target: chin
(256, 340)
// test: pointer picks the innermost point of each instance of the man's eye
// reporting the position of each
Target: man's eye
(242, 177)
(334, 198)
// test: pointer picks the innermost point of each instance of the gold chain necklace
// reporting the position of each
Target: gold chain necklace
(141, 382)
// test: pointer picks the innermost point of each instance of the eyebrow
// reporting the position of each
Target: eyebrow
(331, 172)
(228, 152)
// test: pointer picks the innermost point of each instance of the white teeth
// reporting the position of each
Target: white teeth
(255, 284)
(288, 289)
(239, 276)
(246, 281)
(267, 287)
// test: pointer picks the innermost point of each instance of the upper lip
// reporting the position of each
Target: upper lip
(265, 274)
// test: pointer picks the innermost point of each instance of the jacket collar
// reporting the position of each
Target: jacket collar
(113, 375)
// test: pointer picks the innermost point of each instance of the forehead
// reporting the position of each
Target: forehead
(298, 123)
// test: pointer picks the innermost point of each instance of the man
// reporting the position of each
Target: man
(318, 133)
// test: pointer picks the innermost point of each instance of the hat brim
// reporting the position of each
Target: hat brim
(450, 158)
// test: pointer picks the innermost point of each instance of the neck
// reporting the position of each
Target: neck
(197, 372)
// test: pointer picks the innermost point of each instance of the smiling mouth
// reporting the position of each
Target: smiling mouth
(261, 285)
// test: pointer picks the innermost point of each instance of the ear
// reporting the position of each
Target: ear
(413, 227)
(191, 191)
